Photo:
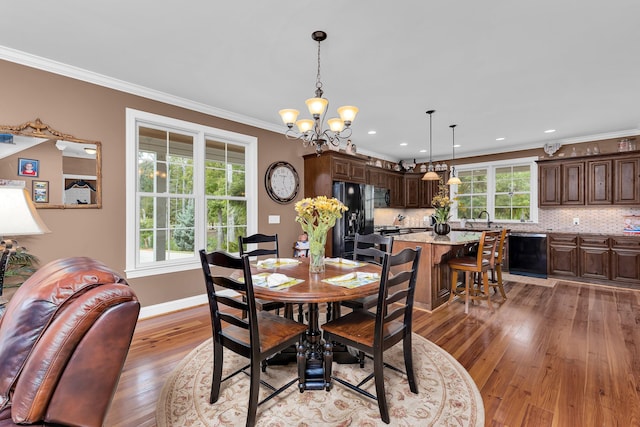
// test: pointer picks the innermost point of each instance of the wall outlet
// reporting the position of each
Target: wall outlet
(274, 219)
(576, 221)
(425, 218)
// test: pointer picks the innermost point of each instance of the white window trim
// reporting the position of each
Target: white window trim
(200, 132)
(491, 167)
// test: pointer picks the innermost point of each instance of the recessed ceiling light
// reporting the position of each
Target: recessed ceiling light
(372, 132)
(457, 146)
(423, 151)
(549, 131)
(403, 144)
(500, 139)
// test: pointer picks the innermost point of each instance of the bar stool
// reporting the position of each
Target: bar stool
(496, 271)
(471, 265)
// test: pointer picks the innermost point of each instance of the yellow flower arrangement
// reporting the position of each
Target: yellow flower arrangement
(316, 216)
(442, 203)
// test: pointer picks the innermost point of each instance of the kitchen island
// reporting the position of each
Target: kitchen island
(434, 278)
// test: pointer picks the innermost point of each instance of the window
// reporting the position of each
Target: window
(188, 187)
(507, 190)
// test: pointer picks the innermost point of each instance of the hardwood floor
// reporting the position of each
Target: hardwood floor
(562, 356)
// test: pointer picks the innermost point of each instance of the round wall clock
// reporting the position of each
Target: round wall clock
(282, 182)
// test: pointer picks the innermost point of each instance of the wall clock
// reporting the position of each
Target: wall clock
(282, 182)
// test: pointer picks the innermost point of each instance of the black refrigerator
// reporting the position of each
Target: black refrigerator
(358, 219)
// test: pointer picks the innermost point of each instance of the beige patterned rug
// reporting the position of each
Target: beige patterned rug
(447, 394)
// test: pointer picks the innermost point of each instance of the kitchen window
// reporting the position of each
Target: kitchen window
(507, 190)
(189, 187)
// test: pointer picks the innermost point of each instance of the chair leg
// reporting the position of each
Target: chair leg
(485, 281)
(328, 364)
(254, 389)
(408, 362)
(454, 283)
(217, 372)
(378, 366)
(468, 277)
(500, 287)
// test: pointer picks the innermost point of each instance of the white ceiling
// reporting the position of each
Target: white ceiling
(497, 68)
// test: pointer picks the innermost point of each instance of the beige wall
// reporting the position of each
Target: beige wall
(96, 113)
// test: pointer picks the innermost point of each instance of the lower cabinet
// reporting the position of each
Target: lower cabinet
(563, 255)
(604, 259)
(594, 257)
(625, 259)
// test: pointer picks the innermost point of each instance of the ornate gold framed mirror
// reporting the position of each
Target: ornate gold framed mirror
(59, 170)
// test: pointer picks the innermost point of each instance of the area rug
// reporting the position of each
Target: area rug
(447, 395)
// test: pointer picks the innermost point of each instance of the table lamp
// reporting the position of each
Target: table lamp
(18, 217)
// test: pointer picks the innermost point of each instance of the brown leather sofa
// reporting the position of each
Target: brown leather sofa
(64, 338)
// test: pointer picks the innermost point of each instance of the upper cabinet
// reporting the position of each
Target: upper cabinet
(609, 179)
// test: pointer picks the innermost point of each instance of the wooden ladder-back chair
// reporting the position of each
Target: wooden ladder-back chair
(374, 333)
(263, 240)
(480, 264)
(257, 336)
(496, 271)
(370, 248)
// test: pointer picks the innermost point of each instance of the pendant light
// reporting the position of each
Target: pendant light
(453, 180)
(431, 174)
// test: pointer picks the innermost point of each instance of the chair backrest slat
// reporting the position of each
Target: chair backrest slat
(486, 249)
(259, 238)
(398, 302)
(371, 247)
(222, 307)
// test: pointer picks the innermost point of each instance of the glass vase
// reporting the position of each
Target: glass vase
(442, 228)
(316, 252)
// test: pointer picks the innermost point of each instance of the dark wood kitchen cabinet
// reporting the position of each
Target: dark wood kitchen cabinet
(607, 179)
(594, 257)
(626, 181)
(572, 183)
(348, 169)
(321, 171)
(377, 177)
(562, 255)
(625, 259)
(599, 182)
(396, 189)
(549, 184)
(412, 190)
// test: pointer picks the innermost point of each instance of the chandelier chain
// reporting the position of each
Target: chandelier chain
(318, 81)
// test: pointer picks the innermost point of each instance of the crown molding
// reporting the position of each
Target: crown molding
(55, 67)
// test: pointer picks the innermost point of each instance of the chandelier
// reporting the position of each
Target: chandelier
(310, 131)
(431, 174)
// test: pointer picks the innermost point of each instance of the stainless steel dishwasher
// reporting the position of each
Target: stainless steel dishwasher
(528, 254)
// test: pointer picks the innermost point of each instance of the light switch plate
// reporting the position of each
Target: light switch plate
(274, 219)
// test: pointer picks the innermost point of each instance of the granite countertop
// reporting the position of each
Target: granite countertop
(453, 238)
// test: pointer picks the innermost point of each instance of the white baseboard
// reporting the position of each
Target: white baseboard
(180, 304)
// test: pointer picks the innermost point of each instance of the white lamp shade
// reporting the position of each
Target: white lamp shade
(336, 124)
(304, 125)
(18, 215)
(317, 106)
(289, 115)
(348, 113)
(454, 180)
(430, 176)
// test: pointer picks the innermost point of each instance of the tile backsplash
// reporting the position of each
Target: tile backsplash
(608, 220)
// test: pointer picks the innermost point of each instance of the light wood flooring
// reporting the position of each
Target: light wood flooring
(563, 355)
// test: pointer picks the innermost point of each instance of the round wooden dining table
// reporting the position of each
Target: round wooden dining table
(313, 291)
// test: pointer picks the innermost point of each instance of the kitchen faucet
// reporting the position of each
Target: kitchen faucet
(488, 218)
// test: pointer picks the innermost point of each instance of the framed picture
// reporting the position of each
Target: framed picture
(40, 191)
(28, 167)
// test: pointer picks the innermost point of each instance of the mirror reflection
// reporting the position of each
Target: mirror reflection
(59, 170)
